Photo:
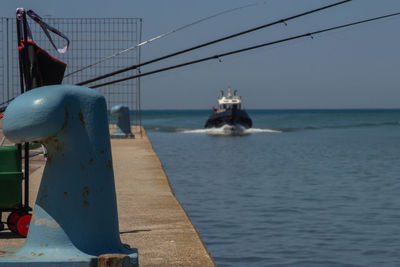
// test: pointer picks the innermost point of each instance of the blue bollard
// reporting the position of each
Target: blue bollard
(123, 126)
(75, 217)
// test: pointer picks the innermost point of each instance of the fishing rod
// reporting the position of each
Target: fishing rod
(212, 42)
(165, 34)
(310, 34)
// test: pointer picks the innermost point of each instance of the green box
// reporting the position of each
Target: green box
(10, 177)
(10, 159)
(10, 189)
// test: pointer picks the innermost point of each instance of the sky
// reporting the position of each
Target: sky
(357, 67)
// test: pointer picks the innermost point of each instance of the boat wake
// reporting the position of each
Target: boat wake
(230, 130)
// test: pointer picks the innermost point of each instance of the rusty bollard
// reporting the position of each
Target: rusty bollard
(123, 125)
(75, 217)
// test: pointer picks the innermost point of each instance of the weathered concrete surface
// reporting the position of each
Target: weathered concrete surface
(150, 217)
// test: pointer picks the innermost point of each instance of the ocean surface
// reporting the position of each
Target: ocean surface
(302, 188)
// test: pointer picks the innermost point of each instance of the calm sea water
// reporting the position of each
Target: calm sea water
(303, 188)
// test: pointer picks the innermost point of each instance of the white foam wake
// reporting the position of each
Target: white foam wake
(257, 130)
(230, 130)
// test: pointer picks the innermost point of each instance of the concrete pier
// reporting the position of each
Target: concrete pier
(150, 217)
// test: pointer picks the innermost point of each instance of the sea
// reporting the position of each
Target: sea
(300, 188)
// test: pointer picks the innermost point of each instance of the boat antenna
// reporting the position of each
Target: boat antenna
(211, 42)
(310, 34)
(166, 34)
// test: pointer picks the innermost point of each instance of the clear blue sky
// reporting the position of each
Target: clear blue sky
(357, 67)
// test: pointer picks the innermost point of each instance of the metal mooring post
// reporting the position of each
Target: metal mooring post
(123, 126)
(75, 220)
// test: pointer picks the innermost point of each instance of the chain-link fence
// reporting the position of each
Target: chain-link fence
(92, 39)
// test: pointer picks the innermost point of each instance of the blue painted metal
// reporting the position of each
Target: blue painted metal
(75, 217)
(123, 126)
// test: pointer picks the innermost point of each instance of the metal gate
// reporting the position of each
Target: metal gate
(92, 40)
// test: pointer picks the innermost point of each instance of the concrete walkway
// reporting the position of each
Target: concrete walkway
(150, 217)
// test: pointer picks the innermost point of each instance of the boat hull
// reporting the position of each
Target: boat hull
(230, 117)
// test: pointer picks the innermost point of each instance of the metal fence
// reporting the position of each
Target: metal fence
(8, 80)
(92, 39)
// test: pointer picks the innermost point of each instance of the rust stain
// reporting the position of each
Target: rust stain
(81, 118)
(55, 142)
(85, 192)
(59, 148)
(91, 161)
(66, 119)
(2, 252)
(40, 254)
(48, 140)
(49, 157)
(110, 260)
(102, 152)
(65, 194)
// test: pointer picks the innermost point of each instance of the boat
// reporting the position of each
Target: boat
(229, 114)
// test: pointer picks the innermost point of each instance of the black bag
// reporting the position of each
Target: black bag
(42, 68)
(39, 68)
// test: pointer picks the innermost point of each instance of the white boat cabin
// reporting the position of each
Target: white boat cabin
(229, 101)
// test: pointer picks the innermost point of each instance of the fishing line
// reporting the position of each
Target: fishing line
(166, 34)
(211, 42)
(310, 34)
